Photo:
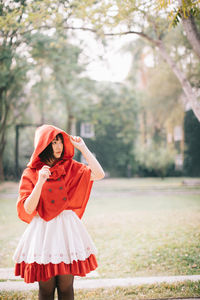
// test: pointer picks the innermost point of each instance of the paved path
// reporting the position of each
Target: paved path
(90, 283)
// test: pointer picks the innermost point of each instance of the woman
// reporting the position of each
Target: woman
(53, 194)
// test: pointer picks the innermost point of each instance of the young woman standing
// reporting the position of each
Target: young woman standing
(53, 194)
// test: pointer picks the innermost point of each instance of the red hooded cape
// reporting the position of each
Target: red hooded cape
(68, 187)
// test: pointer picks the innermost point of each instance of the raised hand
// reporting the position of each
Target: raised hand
(44, 174)
(78, 142)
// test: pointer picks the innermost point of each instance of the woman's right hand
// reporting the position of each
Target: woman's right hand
(32, 200)
(44, 174)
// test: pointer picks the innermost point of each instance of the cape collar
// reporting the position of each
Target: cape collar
(56, 171)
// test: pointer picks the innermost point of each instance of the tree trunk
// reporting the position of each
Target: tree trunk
(71, 121)
(191, 31)
(3, 119)
(1, 168)
(71, 125)
(191, 94)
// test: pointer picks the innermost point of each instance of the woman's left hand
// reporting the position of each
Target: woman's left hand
(78, 142)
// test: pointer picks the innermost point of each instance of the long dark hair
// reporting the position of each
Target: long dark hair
(47, 156)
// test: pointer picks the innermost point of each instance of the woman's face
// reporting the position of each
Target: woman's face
(57, 147)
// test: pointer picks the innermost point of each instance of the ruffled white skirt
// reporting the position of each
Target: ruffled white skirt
(59, 246)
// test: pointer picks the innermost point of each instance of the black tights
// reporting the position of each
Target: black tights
(64, 285)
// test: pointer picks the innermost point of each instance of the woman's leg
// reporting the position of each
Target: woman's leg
(65, 288)
(47, 289)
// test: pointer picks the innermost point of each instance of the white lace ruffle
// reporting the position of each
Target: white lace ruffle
(63, 239)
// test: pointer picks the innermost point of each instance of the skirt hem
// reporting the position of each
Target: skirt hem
(42, 272)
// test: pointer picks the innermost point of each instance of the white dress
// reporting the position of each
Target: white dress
(59, 246)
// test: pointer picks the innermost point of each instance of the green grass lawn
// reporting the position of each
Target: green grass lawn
(141, 227)
(145, 227)
(178, 290)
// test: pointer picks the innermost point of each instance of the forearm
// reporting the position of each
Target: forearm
(93, 163)
(31, 202)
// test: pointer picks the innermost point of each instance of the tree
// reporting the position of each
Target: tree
(192, 142)
(186, 11)
(160, 106)
(70, 84)
(138, 17)
(65, 83)
(13, 69)
(12, 102)
(111, 18)
(114, 115)
(19, 20)
(155, 158)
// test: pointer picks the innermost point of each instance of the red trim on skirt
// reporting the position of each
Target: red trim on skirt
(37, 272)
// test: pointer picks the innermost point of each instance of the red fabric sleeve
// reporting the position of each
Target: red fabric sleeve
(25, 188)
(79, 187)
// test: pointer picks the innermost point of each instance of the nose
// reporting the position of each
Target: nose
(59, 146)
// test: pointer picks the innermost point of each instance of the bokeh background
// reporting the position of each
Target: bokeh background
(125, 76)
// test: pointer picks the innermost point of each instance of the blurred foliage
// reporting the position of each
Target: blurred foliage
(137, 14)
(161, 105)
(157, 159)
(114, 115)
(43, 77)
(162, 92)
(12, 100)
(192, 142)
(149, 20)
(177, 11)
(61, 77)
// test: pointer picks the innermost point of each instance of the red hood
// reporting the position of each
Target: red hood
(44, 135)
